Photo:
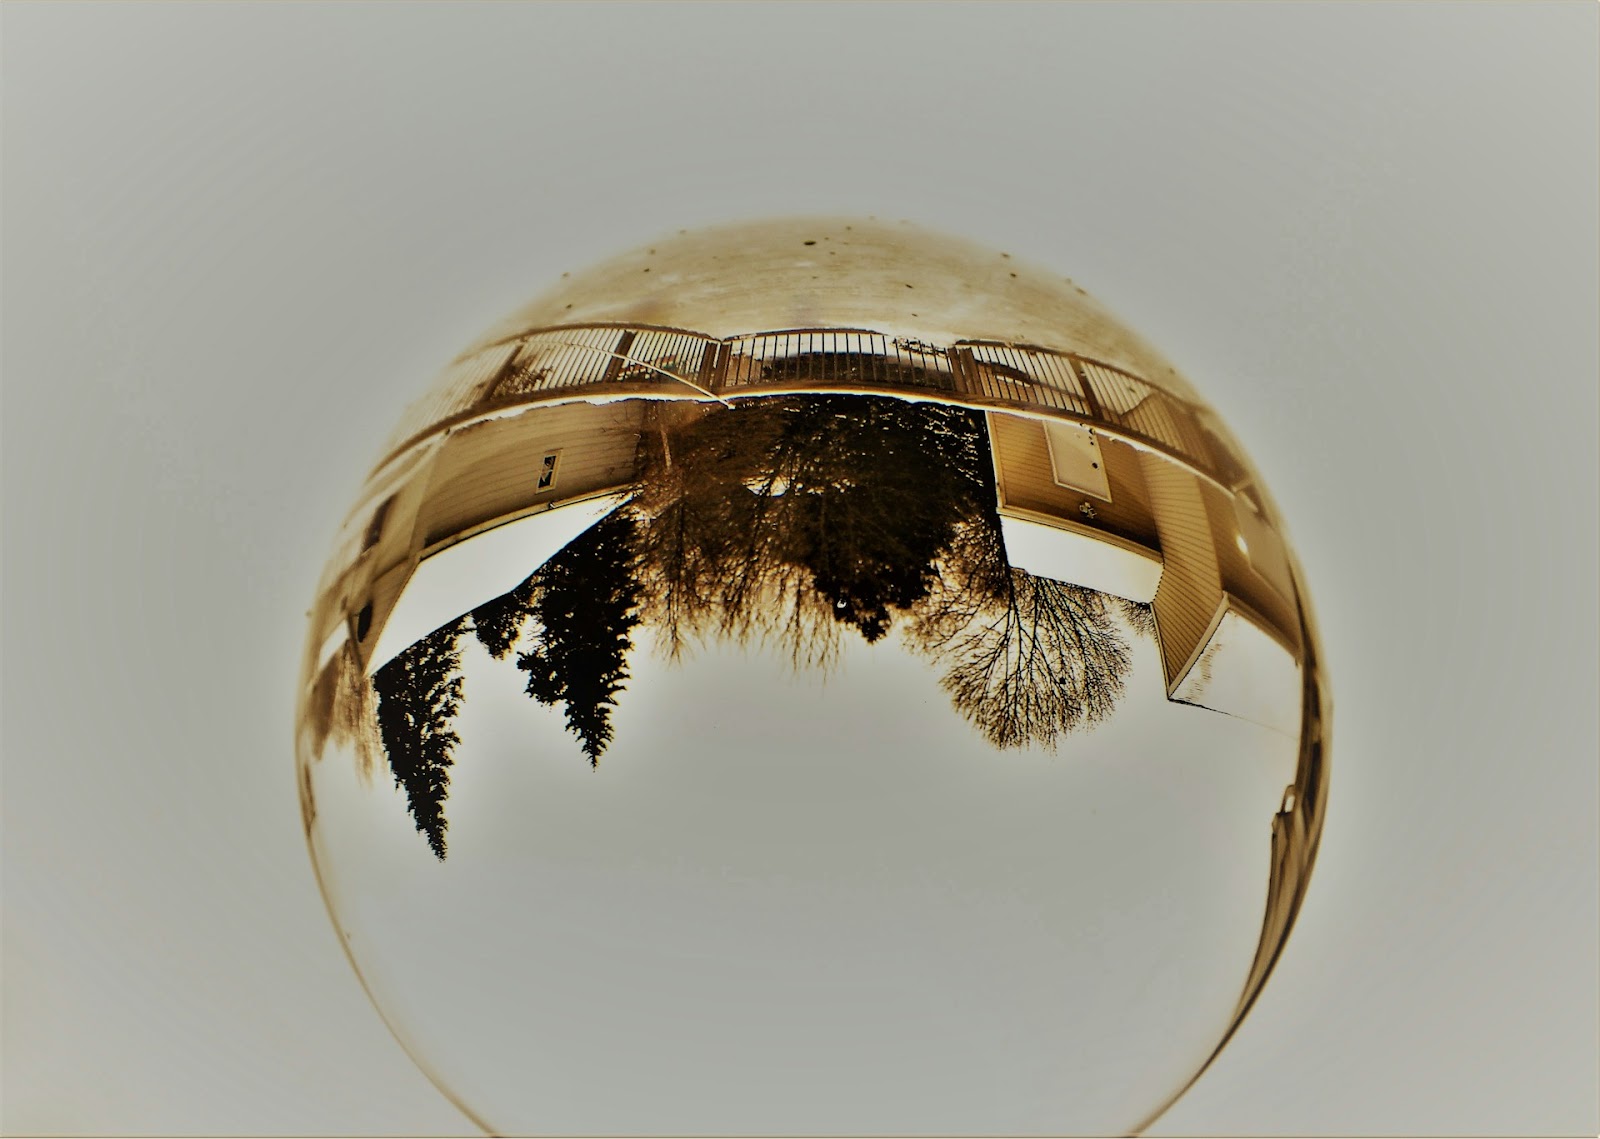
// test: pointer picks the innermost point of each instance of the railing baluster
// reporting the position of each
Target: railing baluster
(992, 372)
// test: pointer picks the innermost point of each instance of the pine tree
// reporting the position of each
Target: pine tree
(419, 694)
(498, 622)
(885, 484)
(587, 605)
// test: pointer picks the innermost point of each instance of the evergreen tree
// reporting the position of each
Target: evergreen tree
(794, 516)
(498, 622)
(889, 482)
(586, 606)
(419, 694)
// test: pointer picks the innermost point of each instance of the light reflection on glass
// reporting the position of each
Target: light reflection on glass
(858, 727)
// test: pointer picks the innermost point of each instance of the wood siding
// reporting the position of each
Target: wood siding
(378, 545)
(488, 472)
(1260, 577)
(477, 477)
(1204, 567)
(1025, 480)
(1188, 600)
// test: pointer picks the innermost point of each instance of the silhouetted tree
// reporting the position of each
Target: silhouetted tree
(790, 518)
(699, 535)
(1029, 658)
(1139, 615)
(498, 622)
(885, 488)
(586, 606)
(419, 694)
(1037, 659)
(782, 515)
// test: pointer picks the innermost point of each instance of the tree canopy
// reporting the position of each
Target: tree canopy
(793, 520)
(419, 694)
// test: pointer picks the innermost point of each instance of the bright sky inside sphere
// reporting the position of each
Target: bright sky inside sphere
(772, 873)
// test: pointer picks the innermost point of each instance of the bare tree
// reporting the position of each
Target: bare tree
(1046, 661)
(1030, 658)
(1139, 616)
(796, 518)
(787, 520)
(699, 536)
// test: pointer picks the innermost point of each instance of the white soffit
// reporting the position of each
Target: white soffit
(1079, 557)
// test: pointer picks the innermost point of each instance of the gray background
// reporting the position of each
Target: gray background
(237, 238)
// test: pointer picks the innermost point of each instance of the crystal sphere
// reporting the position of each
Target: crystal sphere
(812, 677)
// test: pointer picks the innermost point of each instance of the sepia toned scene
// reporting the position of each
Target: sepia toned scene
(812, 678)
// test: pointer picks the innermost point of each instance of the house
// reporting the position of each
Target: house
(1079, 504)
(471, 480)
(1102, 479)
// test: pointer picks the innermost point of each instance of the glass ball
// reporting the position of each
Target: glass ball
(812, 677)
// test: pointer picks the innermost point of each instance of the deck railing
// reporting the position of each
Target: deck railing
(622, 360)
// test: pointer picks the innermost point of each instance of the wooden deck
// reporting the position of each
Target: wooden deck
(593, 362)
(1174, 483)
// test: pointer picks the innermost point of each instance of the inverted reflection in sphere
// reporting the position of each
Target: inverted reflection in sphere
(812, 677)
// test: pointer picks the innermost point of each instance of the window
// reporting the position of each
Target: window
(547, 470)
